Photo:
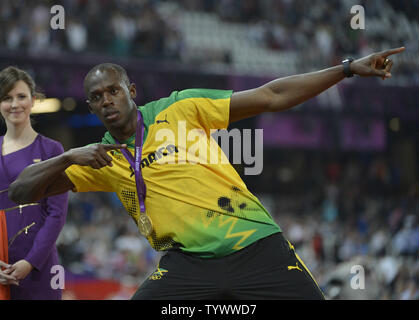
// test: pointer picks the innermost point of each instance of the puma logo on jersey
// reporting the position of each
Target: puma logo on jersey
(162, 121)
(295, 267)
(158, 274)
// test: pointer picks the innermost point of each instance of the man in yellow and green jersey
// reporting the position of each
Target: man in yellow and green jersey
(202, 208)
(220, 241)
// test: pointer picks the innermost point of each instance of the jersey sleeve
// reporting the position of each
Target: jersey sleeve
(211, 106)
(87, 179)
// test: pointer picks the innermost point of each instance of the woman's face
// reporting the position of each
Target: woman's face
(16, 106)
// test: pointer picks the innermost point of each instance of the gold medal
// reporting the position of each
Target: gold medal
(145, 225)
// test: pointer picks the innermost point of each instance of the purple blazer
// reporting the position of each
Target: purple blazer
(46, 220)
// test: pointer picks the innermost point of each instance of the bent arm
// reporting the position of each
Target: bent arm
(48, 178)
(40, 180)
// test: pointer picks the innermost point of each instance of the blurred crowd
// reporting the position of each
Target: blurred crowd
(119, 28)
(317, 31)
(351, 211)
(338, 219)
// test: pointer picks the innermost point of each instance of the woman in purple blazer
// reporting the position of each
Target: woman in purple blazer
(32, 230)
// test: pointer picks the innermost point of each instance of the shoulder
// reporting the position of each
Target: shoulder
(51, 146)
(48, 141)
(177, 96)
(213, 94)
(153, 108)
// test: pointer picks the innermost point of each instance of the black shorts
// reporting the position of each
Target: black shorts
(266, 269)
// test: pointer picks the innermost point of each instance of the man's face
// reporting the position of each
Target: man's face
(110, 99)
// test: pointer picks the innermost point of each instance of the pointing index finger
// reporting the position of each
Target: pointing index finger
(115, 146)
(389, 52)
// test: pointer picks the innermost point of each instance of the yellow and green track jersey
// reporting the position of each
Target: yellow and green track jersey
(195, 198)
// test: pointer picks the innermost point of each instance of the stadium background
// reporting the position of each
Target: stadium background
(340, 172)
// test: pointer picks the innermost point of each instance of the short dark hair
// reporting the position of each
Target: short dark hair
(104, 67)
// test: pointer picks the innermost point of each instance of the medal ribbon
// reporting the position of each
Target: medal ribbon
(135, 161)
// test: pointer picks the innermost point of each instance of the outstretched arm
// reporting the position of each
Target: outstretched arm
(284, 93)
(48, 178)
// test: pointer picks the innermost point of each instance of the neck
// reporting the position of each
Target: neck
(20, 133)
